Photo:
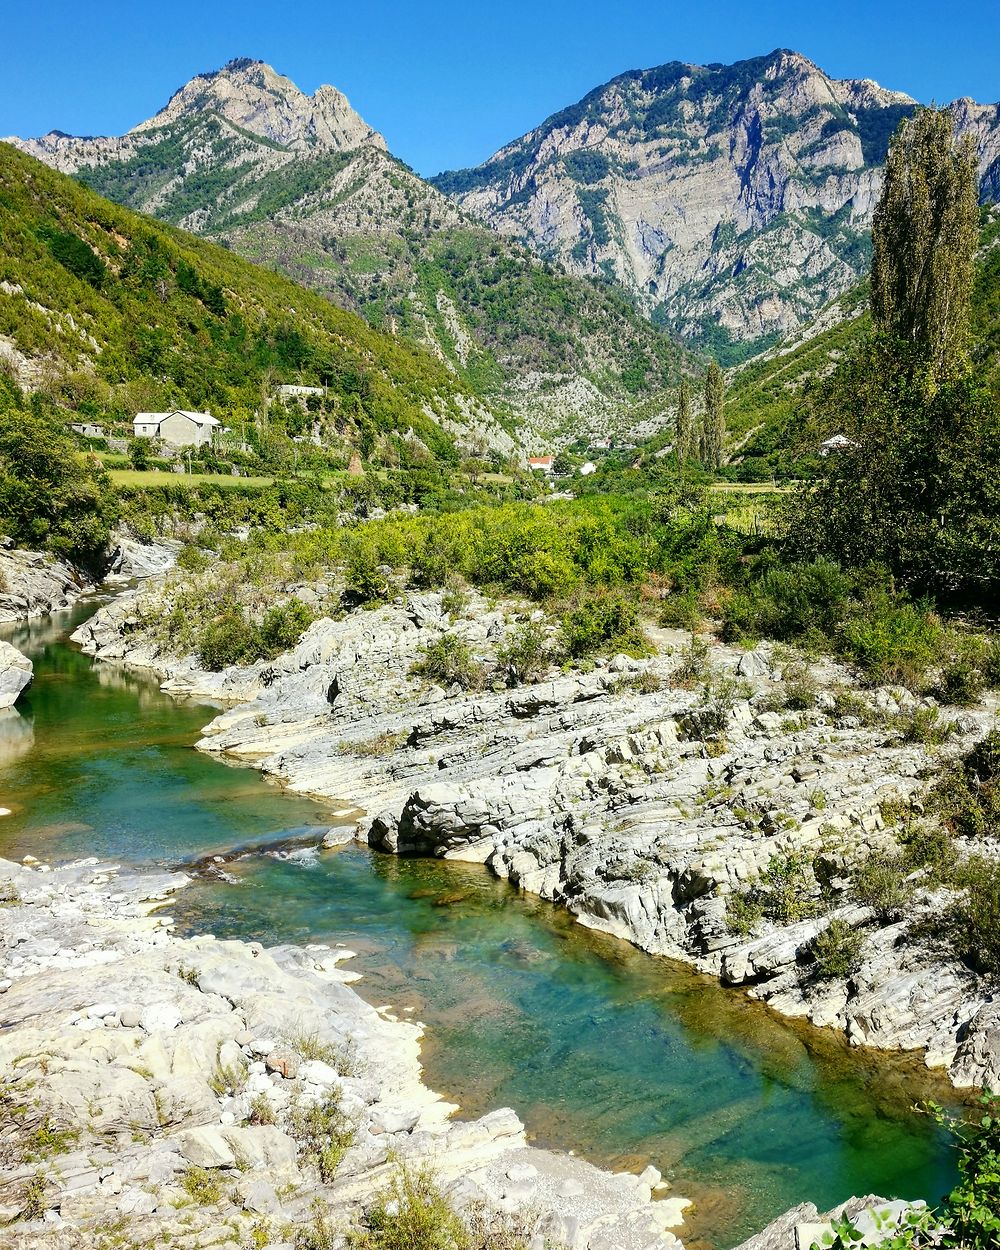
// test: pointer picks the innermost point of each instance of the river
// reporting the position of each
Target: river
(621, 1056)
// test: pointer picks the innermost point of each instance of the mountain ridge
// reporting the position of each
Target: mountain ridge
(357, 224)
(731, 202)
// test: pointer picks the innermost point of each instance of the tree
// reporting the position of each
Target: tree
(138, 453)
(713, 425)
(925, 233)
(685, 423)
(50, 495)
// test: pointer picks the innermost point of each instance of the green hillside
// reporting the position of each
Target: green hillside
(113, 313)
(771, 427)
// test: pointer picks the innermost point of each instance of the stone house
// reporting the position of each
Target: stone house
(177, 428)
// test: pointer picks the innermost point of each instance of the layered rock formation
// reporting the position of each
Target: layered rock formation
(644, 796)
(167, 1091)
(33, 583)
(731, 201)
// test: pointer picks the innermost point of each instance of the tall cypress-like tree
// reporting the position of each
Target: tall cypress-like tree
(925, 233)
(684, 442)
(713, 425)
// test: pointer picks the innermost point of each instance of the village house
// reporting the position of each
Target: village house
(87, 430)
(289, 391)
(839, 442)
(177, 428)
(542, 464)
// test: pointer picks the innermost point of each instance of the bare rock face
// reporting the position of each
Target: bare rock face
(244, 95)
(15, 674)
(731, 201)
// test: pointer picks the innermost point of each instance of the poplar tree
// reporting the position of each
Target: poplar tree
(685, 424)
(925, 233)
(713, 427)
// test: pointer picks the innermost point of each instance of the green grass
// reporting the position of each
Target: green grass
(141, 477)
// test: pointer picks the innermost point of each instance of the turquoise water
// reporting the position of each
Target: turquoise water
(626, 1058)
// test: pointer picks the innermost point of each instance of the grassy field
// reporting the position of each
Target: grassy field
(139, 478)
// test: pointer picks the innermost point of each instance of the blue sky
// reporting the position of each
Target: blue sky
(448, 83)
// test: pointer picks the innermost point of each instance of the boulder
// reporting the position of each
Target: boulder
(978, 1060)
(16, 672)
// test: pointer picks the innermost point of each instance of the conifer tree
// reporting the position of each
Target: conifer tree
(685, 425)
(925, 233)
(713, 426)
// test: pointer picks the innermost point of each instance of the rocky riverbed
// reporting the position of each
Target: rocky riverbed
(204, 1093)
(643, 795)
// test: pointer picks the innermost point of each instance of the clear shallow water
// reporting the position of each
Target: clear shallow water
(603, 1049)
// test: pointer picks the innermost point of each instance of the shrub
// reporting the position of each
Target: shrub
(892, 640)
(202, 1186)
(261, 1110)
(414, 1214)
(448, 662)
(523, 655)
(880, 883)
(324, 1133)
(229, 639)
(603, 623)
(836, 951)
(972, 922)
(784, 893)
(365, 576)
(790, 602)
(967, 796)
(680, 611)
(923, 725)
(283, 626)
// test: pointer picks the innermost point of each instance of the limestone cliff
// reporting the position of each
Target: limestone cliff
(731, 201)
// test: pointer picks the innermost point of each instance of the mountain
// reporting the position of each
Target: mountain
(301, 184)
(113, 313)
(731, 202)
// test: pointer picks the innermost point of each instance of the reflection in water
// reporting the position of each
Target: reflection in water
(601, 1048)
(16, 736)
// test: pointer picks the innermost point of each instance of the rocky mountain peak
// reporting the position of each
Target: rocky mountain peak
(254, 96)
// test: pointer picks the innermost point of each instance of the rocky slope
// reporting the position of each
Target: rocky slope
(160, 1090)
(731, 201)
(302, 184)
(645, 796)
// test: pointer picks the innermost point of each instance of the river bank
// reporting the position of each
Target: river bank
(169, 1089)
(643, 795)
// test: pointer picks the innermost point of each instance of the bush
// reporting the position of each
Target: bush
(923, 725)
(784, 893)
(324, 1133)
(603, 623)
(229, 639)
(972, 923)
(836, 951)
(414, 1214)
(967, 796)
(449, 662)
(793, 602)
(892, 640)
(880, 883)
(283, 626)
(523, 655)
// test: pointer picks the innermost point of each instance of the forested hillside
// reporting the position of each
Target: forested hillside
(301, 184)
(112, 313)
